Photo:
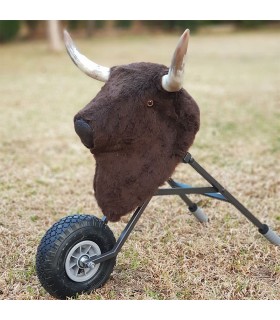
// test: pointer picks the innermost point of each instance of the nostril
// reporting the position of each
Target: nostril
(77, 117)
(84, 131)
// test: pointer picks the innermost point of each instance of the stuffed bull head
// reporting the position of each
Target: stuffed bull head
(138, 127)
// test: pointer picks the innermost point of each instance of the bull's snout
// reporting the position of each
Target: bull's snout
(84, 131)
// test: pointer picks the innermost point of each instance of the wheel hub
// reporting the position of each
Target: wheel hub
(82, 261)
(75, 266)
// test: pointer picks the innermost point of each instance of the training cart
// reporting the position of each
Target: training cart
(78, 253)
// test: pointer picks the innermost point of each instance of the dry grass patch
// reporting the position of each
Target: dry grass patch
(46, 173)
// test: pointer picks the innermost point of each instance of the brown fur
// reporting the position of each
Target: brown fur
(137, 147)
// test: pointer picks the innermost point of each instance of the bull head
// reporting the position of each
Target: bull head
(138, 127)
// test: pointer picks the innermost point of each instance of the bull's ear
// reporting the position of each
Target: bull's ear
(173, 81)
(89, 67)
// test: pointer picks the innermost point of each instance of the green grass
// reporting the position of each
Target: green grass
(46, 173)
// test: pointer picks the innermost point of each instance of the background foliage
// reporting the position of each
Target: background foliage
(11, 29)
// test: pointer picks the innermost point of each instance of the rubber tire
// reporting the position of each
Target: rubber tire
(55, 246)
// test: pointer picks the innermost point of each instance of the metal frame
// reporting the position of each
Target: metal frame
(216, 191)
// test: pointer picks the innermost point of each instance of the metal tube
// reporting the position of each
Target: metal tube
(122, 238)
(187, 200)
(190, 160)
(181, 191)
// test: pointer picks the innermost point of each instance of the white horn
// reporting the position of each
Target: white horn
(90, 68)
(173, 81)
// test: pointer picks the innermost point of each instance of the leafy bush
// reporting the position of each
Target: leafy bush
(124, 24)
(250, 24)
(8, 29)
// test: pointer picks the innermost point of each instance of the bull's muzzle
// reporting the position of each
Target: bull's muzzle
(85, 132)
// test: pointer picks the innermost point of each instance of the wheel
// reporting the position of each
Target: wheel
(60, 256)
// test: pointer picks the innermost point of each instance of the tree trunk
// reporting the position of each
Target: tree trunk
(90, 28)
(109, 26)
(54, 35)
(137, 26)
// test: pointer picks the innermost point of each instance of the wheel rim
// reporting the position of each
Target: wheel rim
(74, 261)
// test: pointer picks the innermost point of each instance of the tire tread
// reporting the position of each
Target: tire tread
(52, 246)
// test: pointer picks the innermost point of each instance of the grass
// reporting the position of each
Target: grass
(47, 174)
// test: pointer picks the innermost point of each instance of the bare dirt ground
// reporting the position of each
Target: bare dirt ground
(47, 174)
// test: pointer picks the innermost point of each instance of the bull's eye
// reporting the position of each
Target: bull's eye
(150, 103)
